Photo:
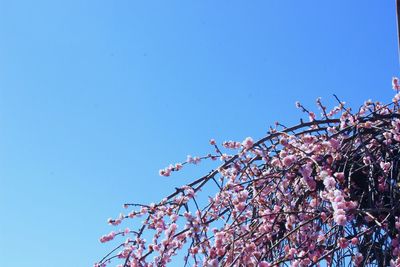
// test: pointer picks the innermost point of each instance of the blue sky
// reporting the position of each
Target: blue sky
(97, 96)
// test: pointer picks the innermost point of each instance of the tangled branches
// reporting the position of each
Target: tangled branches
(324, 191)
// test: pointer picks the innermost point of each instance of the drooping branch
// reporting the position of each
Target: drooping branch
(326, 190)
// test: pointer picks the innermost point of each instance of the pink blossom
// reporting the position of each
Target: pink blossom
(143, 210)
(341, 219)
(263, 264)
(385, 166)
(289, 160)
(189, 159)
(165, 172)
(343, 243)
(395, 83)
(225, 157)
(396, 125)
(350, 205)
(174, 217)
(114, 222)
(276, 162)
(358, 259)
(194, 250)
(306, 170)
(108, 237)
(283, 141)
(178, 166)
(310, 183)
(329, 182)
(311, 116)
(338, 198)
(248, 143)
(367, 160)
(241, 206)
(196, 160)
(212, 263)
(334, 143)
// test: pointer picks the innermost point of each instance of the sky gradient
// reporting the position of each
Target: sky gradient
(97, 96)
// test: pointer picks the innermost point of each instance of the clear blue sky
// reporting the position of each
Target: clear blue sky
(97, 96)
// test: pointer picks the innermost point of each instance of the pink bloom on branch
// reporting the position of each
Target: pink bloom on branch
(143, 210)
(289, 160)
(351, 205)
(306, 170)
(334, 143)
(310, 183)
(283, 141)
(385, 166)
(358, 259)
(338, 198)
(367, 160)
(329, 182)
(343, 243)
(341, 219)
(395, 83)
(108, 237)
(248, 143)
(114, 222)
(311, 116)
(263, 264)
(178, 166)
(174, 217)
(213, 263)
(276, 162)
(165, 172)
(189, 159)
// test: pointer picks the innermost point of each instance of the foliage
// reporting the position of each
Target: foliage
(326, 190)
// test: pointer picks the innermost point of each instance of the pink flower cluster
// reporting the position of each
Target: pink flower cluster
(248, 143)
(321, 191)
(108, 237)
(231, 144)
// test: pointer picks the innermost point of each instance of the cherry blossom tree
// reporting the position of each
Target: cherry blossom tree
(323, 192)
